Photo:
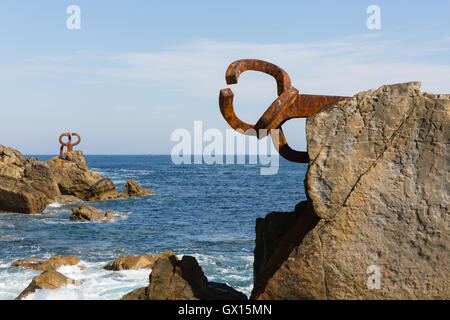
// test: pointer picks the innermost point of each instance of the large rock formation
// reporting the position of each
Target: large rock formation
(28, 185)
(47, 280)
(377, 185)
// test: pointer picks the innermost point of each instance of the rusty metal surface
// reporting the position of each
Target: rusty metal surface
(69, 145)
(289, 105)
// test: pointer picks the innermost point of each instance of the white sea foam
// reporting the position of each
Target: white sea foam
(55, 205)
(97, 283)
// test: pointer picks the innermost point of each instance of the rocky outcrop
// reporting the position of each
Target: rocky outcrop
(46, 264)
(136, 261)
(377, 184)
(28, 185)
(133, 189)
(17, 196)
(104, 189)
(88, 213)
(47, 280)
(174, 279)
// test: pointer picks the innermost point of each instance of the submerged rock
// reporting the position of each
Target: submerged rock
(136, 261)
(47, 280)
(133, 189)
(46, 264)
(88, 213)
(377, 185)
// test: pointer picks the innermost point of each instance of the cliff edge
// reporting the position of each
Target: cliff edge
(375, 224)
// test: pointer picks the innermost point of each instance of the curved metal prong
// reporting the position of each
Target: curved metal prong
(227, 110)
(239, 66)
(66, 134)
(279, 141)
(79, 138)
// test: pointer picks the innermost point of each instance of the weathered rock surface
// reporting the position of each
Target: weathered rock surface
(46, 264)
(378, 183)
(17, 196)
(104, 189)
(47, 280)
(136, 261)
(133, 189)
(88, 213)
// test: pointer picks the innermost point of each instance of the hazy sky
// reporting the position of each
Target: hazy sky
(137, 70)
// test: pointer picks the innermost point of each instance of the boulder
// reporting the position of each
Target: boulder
(17, 196)
(377, 184)
(46, 264)
(136, 261)
(173, 279)
(104, 189)
(47, 280)
(87, 213)
(133, 189)
(72, 177)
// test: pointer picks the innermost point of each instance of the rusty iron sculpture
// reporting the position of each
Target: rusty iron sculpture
(69, 145)
(289, 104)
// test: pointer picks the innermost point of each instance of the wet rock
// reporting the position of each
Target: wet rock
(66, 199)
(87, 213)
(47, 280)
(222, 291)
(136, 261)
(17, 196)
(136, 294)
(133, 189)
(376, 182)
(46, 264)
(104, 189)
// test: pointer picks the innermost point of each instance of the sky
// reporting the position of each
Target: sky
(136, 71)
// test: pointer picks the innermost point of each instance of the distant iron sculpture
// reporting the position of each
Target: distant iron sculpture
(69, 145)
(289, 104)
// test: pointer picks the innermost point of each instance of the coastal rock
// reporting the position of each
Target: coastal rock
(377, 183)
(173, 279)
(87, 213)
(136, 261)
(37, 174)
(66, 199)
(104, 189)
(46, 265)
(136, 294)
(72, 177)
(47, 280)
(133, 189)
(11, 162)
(222, 291)
(17, 196)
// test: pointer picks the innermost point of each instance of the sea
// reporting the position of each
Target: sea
(206, 211)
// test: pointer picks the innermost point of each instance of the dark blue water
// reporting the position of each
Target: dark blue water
(207, 211)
